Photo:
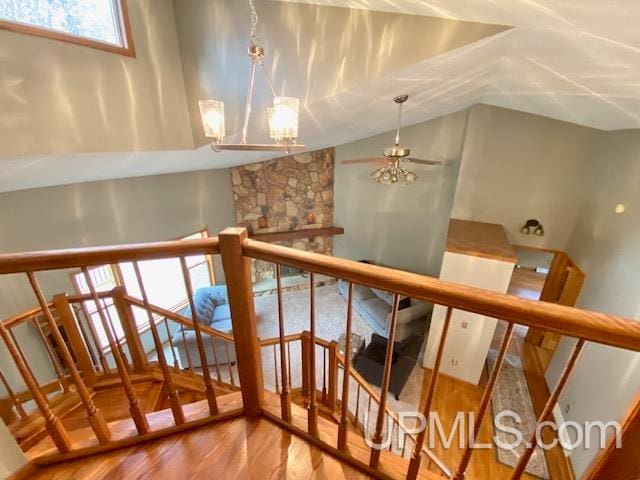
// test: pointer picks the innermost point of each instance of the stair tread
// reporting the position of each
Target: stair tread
(390, 464)
(125, 428)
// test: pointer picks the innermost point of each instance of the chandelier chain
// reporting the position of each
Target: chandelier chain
(254, 22)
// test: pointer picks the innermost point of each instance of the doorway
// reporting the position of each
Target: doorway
(548, 276)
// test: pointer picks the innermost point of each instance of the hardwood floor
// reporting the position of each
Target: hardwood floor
(453, 396)
(526, 283)
(239, 448)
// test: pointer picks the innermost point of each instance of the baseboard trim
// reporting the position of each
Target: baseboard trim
(25, 472)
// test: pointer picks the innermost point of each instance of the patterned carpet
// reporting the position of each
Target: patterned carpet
(512, 393)
(331, 311)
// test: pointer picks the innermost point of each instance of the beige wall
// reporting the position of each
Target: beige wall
(60, 98)
(605, 245)
(399, 225)
(11, 457)
(131, 210)
(517, 166)
(315, 51)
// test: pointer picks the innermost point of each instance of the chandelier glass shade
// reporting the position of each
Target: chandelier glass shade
(282, 117)
(393, 173)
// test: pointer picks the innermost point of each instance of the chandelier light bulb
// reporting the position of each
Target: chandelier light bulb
(212, 113)
(283, 119)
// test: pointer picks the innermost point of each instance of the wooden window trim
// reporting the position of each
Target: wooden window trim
(124, 32)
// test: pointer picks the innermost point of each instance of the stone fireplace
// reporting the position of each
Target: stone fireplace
(285, 195)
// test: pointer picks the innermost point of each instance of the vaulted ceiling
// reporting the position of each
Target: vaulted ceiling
(573, 61)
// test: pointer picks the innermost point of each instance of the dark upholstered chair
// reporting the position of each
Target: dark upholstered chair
(370, 364)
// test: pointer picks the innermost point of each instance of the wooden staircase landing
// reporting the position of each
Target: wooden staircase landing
(240, 448)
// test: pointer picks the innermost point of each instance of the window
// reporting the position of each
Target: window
(162, 280)
(95, 23)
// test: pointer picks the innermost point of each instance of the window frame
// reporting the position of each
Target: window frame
(118, 278)
(123, 24)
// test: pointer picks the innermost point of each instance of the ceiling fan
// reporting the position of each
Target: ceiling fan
(391, 171)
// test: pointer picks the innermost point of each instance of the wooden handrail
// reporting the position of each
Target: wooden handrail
(92, 256)
(372, 394)
(176, 317)
(22, 317)
(596, 327)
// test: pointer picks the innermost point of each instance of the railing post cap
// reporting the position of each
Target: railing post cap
(235, 231)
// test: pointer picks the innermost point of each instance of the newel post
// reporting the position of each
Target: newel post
(130, 330)
(237, 271)
(76, 340)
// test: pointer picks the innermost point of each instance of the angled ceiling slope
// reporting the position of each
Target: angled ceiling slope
(344, 64)
(572, 61)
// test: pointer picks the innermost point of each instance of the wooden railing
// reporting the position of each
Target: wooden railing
(78, 368)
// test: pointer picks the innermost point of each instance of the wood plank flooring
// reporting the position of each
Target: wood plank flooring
(454, 396)
(241, 448)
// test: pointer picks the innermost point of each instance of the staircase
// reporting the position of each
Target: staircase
(106, 399)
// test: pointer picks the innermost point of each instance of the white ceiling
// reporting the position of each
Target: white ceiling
(573, 61)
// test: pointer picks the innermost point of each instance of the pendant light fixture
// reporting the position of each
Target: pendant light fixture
(282, 116)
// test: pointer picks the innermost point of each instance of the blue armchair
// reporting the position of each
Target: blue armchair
(212, 310)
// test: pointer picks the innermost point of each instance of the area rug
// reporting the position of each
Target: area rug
(512, 393)
(331, 313)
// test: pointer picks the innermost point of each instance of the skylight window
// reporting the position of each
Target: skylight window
(94, 23)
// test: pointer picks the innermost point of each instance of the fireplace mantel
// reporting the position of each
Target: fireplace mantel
(297, 234)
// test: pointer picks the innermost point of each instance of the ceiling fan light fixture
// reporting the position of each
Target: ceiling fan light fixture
(390, 174)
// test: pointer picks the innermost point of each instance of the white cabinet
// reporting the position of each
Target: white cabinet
(486, 263)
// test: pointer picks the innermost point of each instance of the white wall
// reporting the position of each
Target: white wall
(517, 166)
(403, 226)
(605, 245)
(59, 98)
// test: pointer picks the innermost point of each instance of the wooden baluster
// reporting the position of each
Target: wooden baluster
(226, 345)
(53, 357)
(215, 359)
(102, 359)
(76, 340)
(275, 368)
(129, 330)
(548, 409)
(237, 269)
(289, 362)
(386, 378)
(94, 416)
(204, 362)
(324, 374)
(332, 394)
(416, 458)
(53, 424)
(484, 403)
(186, 352)
(14, 398)
(176, 367)
(285, 392)
(357, 402)
(138, 416)
(119, 341)
(305, 348)
(169, 384)
(312, 415)
(344, 417)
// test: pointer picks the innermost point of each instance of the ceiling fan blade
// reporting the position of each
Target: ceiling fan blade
(423, 162)
(365, 160)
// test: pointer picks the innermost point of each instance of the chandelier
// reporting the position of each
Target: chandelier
(282, 116)
(393, 173)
